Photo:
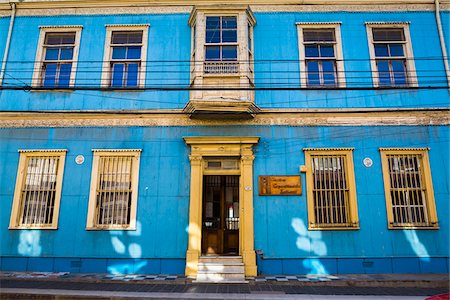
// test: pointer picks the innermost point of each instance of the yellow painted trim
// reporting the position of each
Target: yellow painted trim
(135, 153)
(201, 149)
(349, 169)
(428, 182)
(14, 222)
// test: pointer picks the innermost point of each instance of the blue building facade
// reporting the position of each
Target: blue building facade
(351, 99)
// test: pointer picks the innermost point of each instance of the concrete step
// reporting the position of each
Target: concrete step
(220, 259)
(219, 263)
(220, 277)
(221, 269)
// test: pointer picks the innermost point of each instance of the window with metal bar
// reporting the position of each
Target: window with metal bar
(113, 190)
(38, 189)
(58, 54)
(407, 177)
(126, 48)
(331, 189)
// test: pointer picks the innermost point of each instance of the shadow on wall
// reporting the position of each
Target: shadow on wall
(311, 243)
(133, 250)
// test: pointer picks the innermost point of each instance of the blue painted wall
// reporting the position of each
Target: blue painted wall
(160, 243)
(276, 58)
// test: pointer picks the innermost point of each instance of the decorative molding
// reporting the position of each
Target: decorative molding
(329, 149)
(388, 23)
(404, 149)
(318, 23)
(127, 25)
(59, 26)
(41, 150)
(366, 7)
(116, 150)
(269, 118)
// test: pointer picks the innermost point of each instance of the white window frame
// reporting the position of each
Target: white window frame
(98, 153)
(410, 65)
(37, 74)
(15, 222)
(340, 72)
(106, 69)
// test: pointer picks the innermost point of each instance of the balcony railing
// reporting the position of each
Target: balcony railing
(221, 67)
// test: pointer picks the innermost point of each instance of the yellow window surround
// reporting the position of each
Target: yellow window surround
(37, 193)
(114, 189)
(408, 188)
(331, 189)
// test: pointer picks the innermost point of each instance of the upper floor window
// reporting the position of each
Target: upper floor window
(57, 57)
(38, 189)
(320, 53)
(331, 190)
(221, 38)
(391, 55)
(114, 182)
(408, 188)
(125, 53)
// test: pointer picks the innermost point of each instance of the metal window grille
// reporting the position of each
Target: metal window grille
(38, 192)
(58, 59)
(320, 57)
(407, 190)
(330, 191)
(390, 55)
(114, 191)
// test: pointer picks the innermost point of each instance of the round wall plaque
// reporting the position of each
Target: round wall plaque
(79, 159)
(368, 162)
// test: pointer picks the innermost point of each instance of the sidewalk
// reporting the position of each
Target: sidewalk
(15, 285)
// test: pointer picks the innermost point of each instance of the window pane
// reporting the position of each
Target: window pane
(50, 75)
(312, 51)
(66, 54)
(132, 75)
(318, 35)
(119, 38)
(328, 72)
(134, 52)
(117, 75)
(396, 50)
(68, 39)
(388, 35)
(135, 37)
(212, 23)
(229, 36)
(398, 67)
(119, 52)
(51, 54)
(212, 53)
(229, 52)
(213, 36)
(383, 72)
(64, 75)
(313, 73)
(326, 51)
(229, 22)
(381, 50)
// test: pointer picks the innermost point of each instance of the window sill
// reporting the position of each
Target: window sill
(33, 228)
(110, 228)
(334, 228)
(51, 90)
(413, 227)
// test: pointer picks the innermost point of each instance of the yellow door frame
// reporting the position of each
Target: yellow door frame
(201, 148)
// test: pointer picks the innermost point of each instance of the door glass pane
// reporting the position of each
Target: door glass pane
(327, 51)
(66, 53)
(229, 36)
(398, 67)
(52, 54)
(396, 49)
(328, 73)
(381, 50)
(312, 51)
(119, 52)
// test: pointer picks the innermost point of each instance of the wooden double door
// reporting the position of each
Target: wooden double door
(220, 219)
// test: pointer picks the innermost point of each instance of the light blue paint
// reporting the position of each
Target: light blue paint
(280, 222)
